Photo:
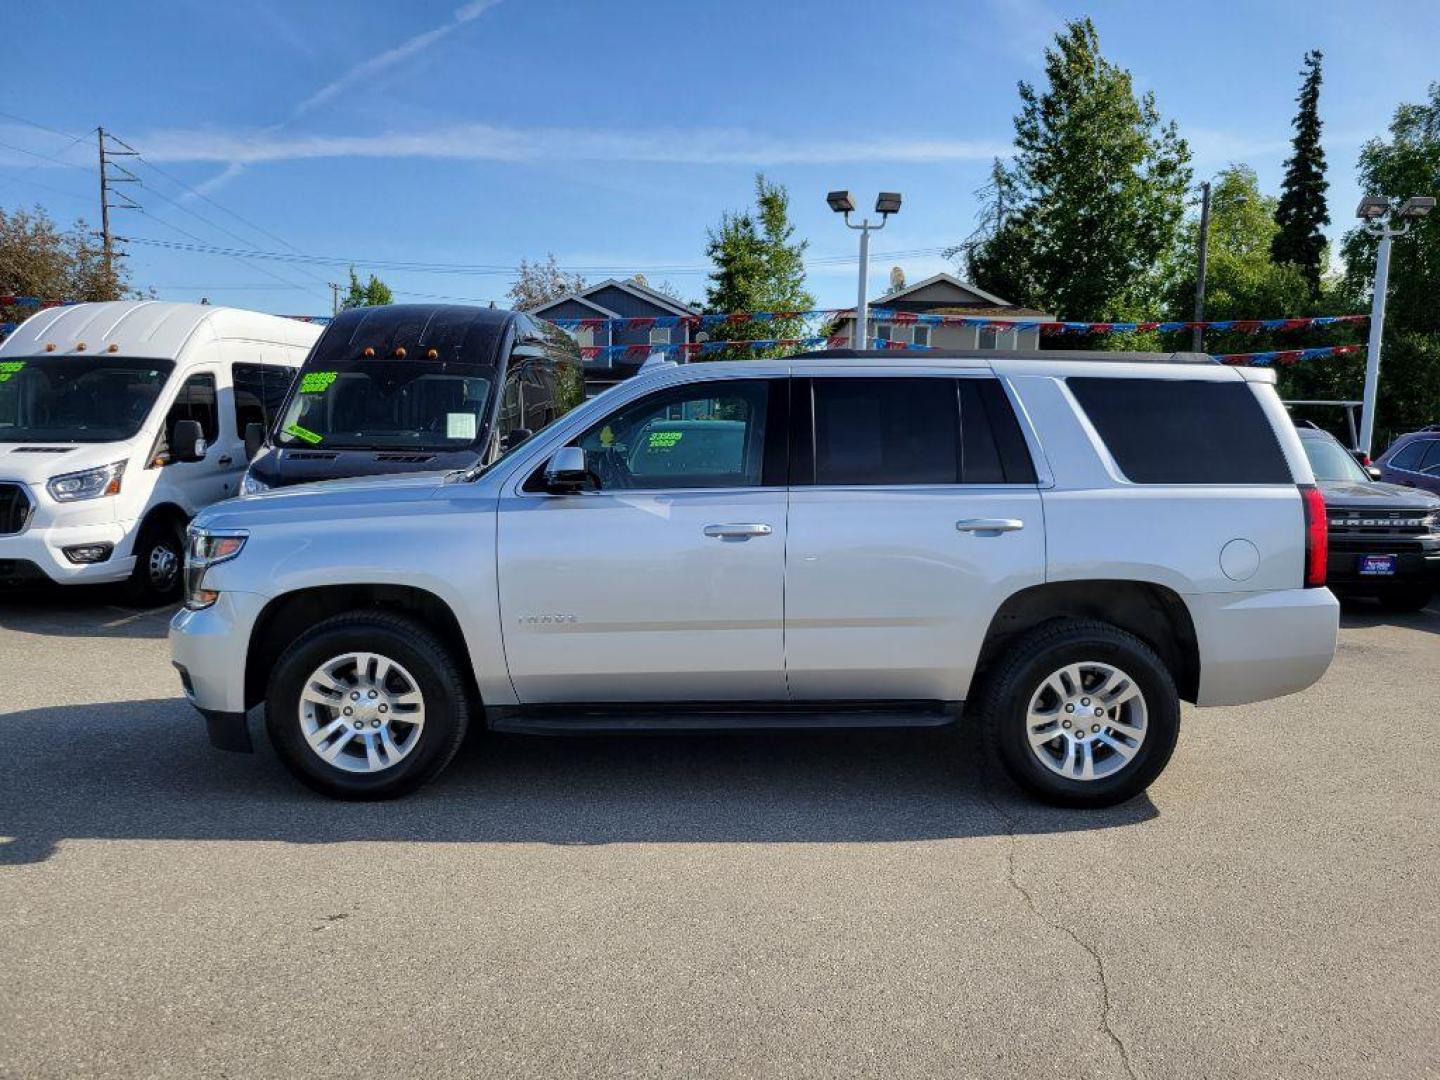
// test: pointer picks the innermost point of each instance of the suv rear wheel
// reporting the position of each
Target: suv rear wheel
(366, 705)
(1081, 713)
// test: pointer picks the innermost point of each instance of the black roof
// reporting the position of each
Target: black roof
(454, 330)
(1016, 354)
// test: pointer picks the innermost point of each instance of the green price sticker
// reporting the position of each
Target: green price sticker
(665, 440)
(317, 382)
(10, 368)
(304, 433)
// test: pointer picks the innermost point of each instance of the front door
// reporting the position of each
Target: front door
(908, 527)
(197, 484)
(666, 581)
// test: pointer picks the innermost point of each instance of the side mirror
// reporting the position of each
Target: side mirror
(513, 438)
(567, 470)
(187, 441)
(1373, 472)
(254, 439)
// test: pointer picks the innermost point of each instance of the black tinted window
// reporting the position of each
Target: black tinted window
(260, 391)
(993, 450)
(886, 431)
(1408, 456)
(1432, 457)
(1166, 431)
(196, 401)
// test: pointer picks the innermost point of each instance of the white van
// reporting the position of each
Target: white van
(118, 422)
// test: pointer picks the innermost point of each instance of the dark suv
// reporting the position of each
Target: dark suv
(1384, 538)
(1413, 460)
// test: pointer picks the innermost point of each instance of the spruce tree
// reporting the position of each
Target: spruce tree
(1301, 214)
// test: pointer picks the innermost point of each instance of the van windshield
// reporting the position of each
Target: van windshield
(382, 404)
(81, 399)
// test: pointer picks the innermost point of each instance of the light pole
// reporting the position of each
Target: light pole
(887, 203)
(1375, 211)
(1197, 340)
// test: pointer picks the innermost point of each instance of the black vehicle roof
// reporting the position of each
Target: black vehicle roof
(455, 331)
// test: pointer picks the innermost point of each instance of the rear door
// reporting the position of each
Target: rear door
(914, 512)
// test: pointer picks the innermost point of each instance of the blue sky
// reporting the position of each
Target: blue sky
(614, 133)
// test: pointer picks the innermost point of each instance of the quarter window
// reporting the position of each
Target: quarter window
(1183, 431)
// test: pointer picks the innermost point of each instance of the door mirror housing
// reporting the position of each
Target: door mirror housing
(567, 471)
(187, 441)
(514, 438)
(254, 439)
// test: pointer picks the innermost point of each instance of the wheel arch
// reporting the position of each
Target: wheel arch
(1154, 613)
(289, 615)
(168, 513)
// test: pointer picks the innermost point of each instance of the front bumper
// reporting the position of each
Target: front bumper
(42, 548)
(1417, 562)
(1256, 646)
(209, 648)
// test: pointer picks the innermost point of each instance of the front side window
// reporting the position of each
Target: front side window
(81, 399)
(260, 391)
(372, 403)
(196, 401)
(710, 435)
(1408, 456)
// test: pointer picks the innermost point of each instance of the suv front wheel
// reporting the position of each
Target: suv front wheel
(1081, 713)
(366, 705)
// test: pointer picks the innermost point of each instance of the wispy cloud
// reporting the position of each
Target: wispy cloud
(483, 142)
(369, 68)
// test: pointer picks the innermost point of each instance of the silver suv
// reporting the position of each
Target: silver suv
(1053, 548)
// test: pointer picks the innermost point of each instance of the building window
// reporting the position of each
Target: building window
(660, 335)
(922, 335)
(584, 336)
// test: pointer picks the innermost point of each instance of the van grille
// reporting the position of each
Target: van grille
(14, 509)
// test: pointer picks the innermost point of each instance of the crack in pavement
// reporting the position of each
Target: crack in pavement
(1094, 954)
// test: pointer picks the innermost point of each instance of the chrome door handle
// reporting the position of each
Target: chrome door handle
(989, 525)
(737, 532)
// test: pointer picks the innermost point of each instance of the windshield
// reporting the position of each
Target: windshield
(83, 399)
(384, 404)
(1332, 462)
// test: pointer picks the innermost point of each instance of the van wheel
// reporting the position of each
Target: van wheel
(366, 705)
(159, 562)
(1081, 713)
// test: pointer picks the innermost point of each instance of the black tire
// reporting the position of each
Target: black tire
(428, 660)
(158, 576)
(1405, 598)
(1024, 667)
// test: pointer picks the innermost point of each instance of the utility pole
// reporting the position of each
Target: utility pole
(112, 173)
(334, 298)
(1375, 212)
(1197, 340)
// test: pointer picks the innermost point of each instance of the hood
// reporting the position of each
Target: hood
(1374, 495)
(34, 463)
(326, 499)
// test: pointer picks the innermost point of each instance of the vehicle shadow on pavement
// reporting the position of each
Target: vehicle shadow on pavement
(144, 770)
(1359, 614)
(91, 611)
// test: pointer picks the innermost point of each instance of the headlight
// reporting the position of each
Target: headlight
(86, 484)
(204, 549)
(250, 484)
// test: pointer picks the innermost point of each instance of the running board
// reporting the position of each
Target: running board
(562, 720)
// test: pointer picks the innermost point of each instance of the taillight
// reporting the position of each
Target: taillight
(1317, 538)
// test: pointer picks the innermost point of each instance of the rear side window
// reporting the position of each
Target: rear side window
(878, 431)
(1168, 431)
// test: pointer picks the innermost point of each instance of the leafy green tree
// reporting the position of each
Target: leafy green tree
(1405, 164)
(371, 293)
(540, 282)
(759, 266)
(38, 258)
(1092, 205)
(1301, 214)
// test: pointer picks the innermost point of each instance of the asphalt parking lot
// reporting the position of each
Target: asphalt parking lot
(874, 904)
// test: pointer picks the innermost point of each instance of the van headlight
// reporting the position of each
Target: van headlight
(87, 483)
(204, 549)
(250, 484)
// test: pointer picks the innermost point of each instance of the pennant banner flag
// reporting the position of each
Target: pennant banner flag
(1287, 356)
